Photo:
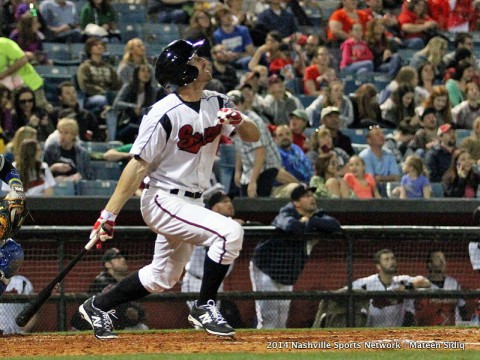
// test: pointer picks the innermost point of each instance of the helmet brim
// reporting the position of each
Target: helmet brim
(197, 45)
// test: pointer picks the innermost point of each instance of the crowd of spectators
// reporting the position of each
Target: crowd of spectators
(288, 73)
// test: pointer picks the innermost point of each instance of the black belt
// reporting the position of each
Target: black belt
(193, 195)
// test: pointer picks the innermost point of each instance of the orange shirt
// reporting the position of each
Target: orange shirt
(341, 16)
(361, 191)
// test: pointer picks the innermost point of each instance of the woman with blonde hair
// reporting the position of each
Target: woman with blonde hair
(13, 147)
(67, 160)
(134, 55)
(433, 53)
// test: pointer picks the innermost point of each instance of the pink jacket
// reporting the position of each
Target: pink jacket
(353, 51)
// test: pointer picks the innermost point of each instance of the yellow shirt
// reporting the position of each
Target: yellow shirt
(9, 53)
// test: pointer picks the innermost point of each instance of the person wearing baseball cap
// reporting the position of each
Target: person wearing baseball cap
(277, 262)
(278, 104)
(115, 268)
(298, 123)
(330, 118)
(439, 157)
(425, 137)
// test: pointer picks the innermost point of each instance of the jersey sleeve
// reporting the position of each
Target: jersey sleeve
(153, 134)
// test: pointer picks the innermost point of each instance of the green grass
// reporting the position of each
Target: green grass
(324, 355)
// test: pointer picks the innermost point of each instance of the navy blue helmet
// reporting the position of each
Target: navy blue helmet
(172, 68)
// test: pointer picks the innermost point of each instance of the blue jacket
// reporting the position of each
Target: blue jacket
(283, 256)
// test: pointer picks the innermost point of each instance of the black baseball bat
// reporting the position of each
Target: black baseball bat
(27, 313)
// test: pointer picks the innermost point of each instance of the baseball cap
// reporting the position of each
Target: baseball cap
(275, 78)
(216, 198)
(111, 254)
(329, 110)
(301, 114)
(301, 190)
(444, 129)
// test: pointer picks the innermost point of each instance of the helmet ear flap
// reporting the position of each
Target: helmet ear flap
(190, 74)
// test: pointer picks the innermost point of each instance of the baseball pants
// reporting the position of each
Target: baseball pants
(181, 223)
(271, 314)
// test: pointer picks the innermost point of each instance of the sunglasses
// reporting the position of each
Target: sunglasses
(374, 127)
(24, 101)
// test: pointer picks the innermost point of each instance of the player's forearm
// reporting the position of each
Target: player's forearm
(258, 163)
(129, 182)
(14, 67)
(248, 131)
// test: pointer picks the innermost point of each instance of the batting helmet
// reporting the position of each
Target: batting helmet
(172, 65)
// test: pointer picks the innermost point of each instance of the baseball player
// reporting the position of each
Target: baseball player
(389, 312)
(174, 153)
(12, 214)
(221, 203)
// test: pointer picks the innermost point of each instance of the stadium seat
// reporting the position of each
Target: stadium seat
(64, 188)
(295, 85)
(357, 136)
(349, 83)
(437, 190)
(96, 187)
(106, 170)
(53, 76)
(406, 55)
(129, 31)
(133, 13)
(462, 134)
(56, 51)
(159, 33)
(391, 185)
(306, 100)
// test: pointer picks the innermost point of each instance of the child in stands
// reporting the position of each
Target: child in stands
(362, 184)
(356, 56)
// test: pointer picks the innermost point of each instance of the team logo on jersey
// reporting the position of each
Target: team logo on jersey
(192, 142)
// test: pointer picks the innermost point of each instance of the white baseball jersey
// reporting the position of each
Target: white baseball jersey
(180, 143)
(385, 312)
(8, 312)
(179, 140)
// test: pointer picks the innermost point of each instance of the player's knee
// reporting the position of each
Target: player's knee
(235, 240)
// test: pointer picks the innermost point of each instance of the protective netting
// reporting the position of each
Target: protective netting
(332, 262)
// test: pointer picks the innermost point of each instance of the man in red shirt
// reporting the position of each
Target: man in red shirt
(415, 24)
(461, 18)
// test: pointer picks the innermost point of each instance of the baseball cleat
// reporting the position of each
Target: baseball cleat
(99, 320)
(209, 318)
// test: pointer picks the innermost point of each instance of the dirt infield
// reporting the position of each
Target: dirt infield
(249, 341)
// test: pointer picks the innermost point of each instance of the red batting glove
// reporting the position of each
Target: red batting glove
(230, 116)
(103, 228)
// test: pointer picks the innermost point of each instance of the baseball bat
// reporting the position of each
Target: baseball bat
(27, 313)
